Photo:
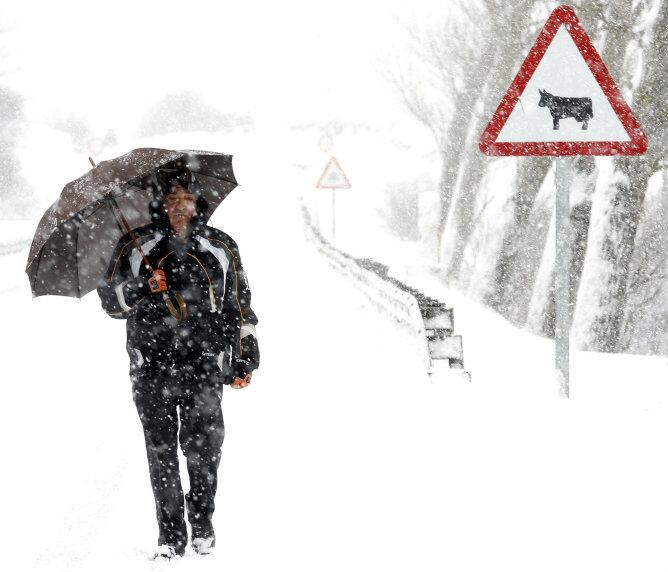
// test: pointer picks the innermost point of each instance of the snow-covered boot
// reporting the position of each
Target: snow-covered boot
(204, 545)
(165, 552)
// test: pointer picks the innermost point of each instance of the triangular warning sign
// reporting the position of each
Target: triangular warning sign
(563, 101)
(333, 176)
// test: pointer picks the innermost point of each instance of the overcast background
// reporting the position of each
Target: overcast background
(284, 62)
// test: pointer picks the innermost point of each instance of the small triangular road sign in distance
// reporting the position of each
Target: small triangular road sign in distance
(563, 101)
(333, 177)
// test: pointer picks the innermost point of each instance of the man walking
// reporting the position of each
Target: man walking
(190, 330)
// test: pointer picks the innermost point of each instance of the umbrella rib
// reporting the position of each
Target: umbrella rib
(104, 202)
(76, 256)
(34, 278)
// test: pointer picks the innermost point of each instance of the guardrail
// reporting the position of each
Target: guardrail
(431, 320)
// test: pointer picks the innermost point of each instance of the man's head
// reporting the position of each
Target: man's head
(177, 195)
(180, 205)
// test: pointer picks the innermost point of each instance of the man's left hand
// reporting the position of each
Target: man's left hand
(240, 383)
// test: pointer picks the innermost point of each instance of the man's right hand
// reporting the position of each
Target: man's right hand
(158, 282)
(240, 383)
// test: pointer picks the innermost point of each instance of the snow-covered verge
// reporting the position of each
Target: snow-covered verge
(341, 455)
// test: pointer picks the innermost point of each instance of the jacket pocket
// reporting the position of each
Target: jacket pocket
(220, 368)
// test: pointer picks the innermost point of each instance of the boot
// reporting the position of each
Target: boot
(166, 552)
(204, 544)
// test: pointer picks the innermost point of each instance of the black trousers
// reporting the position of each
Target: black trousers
(195, 389)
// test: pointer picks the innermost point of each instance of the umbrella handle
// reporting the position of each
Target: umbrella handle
(181, 313)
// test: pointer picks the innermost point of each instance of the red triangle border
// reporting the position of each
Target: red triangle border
(320, 184)
(563, 15)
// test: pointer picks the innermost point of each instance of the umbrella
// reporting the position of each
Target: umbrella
(76, 236)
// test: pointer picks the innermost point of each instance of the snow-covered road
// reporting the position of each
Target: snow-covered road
(340, 456)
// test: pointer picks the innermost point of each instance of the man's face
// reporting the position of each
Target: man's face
(180, 207)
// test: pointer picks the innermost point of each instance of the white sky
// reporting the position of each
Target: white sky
(284, 61)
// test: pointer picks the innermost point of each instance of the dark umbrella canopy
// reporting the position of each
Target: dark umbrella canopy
(76, 236)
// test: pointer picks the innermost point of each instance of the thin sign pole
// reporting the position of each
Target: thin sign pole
(333, 211)
(562, 328)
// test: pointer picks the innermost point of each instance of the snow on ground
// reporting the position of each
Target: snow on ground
(341, 455)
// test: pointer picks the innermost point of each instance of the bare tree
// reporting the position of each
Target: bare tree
(399, 213)
(604, 289)
(514, 257)
(526, 267)
(513, 23)
(16, 197)
(438, 81)
(646, 314)
(542, 310)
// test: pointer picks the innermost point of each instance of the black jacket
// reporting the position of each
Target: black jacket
(206, 270)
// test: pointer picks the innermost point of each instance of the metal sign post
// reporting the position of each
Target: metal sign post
(333, 213)
(563, 103)
(562, 271)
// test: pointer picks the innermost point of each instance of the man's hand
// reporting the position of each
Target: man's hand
(158, 283)
(240, 383)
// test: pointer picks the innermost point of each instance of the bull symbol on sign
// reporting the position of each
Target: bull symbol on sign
(579, 108)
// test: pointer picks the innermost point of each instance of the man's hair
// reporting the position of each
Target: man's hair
(164, 183)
